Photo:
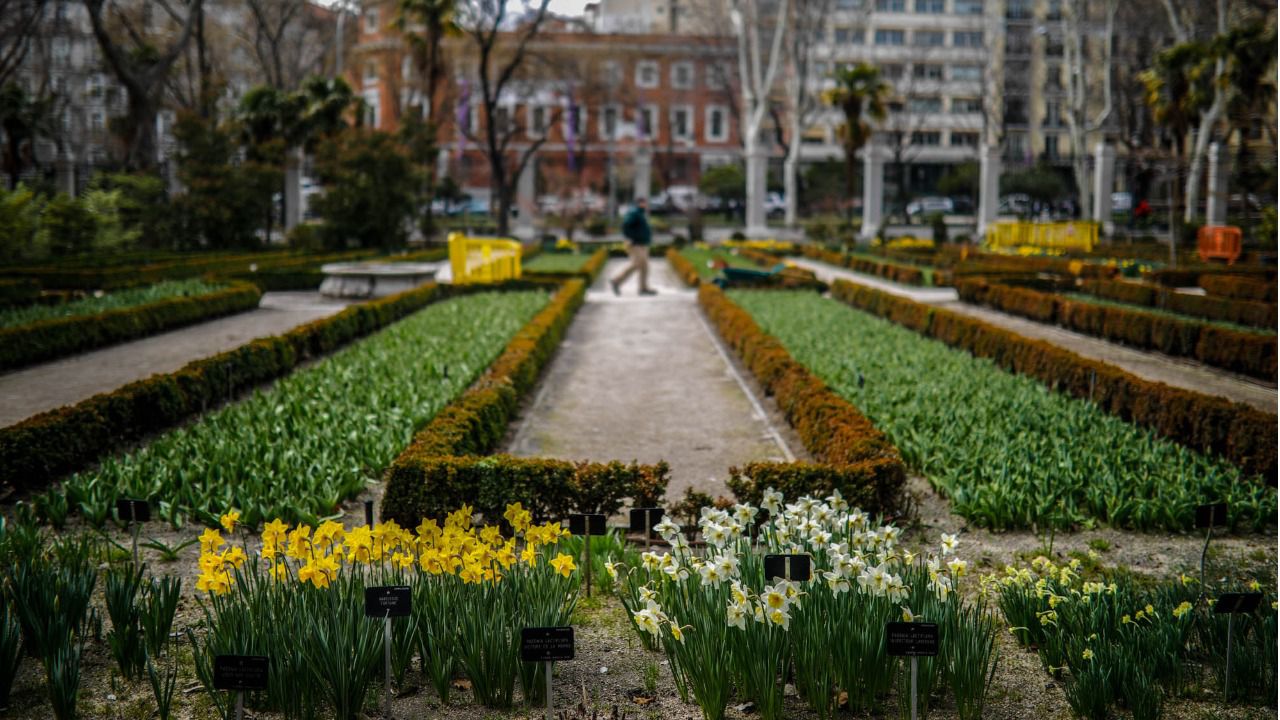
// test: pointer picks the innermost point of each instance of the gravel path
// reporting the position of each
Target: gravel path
(67, 381)
(1178, 372)
(646, 378)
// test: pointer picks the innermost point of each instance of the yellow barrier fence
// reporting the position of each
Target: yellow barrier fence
(1072, 235)
(483, 259)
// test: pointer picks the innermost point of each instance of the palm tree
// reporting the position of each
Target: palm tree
(425, 24)
(1178, 89)
(1250, 54)
(862, 96)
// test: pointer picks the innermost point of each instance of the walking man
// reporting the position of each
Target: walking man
(635, 228)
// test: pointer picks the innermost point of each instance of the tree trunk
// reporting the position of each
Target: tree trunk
(141, 154)
(1080, 171)
(790, 172)
(499, 191)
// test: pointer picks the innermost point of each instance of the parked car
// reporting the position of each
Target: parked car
(1015, 204)
(930, 205)
(775, 205)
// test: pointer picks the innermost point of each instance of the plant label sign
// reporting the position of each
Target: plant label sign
(546, 644)
(912, 639)
(1211, 515)
(388, 601)
(1235, 603)
(643, 519)
(239, 673)
(586, 525)
(795, 568)
(133, 510)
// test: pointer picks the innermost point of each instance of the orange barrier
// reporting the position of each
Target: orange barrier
(1219, 242)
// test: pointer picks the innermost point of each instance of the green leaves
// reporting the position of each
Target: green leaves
(320, 435)
(1008, 452)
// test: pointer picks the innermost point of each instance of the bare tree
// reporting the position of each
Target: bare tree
(1084, 84)
(269, 31)
(757, 72)
(1210, 117)
(143, 74)
(18, 22)
(808, 30)
(499, 53)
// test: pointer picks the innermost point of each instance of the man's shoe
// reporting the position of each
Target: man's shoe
(647, 291)
(614, 284)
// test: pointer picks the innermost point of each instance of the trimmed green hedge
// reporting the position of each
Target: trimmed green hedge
(45, 447)
(853, 455)
(58, 337)
(424, 486)
(18, 291)
(1241, 287)
(1250, 353)
(1241, 434)
(475, 423)
(118, 276)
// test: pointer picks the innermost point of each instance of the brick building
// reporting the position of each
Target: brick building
(590, 101)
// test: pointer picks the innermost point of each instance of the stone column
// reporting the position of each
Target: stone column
(526, 199)
(643, 172)
(66, 170)
(988, 188)
(1216, 197)
(757, 187)
(1104, 176)
(872, 190)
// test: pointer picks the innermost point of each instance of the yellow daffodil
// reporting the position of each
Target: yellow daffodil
(1087, 654)
(563, 564)
(211, 540)
(228, 521)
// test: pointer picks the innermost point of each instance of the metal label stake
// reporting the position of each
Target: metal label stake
(386, 602)
(587, 525)
(1232, 604)
(915, 665)
(547, 645)
(1206, 517)
(914, 640)
(550, 704)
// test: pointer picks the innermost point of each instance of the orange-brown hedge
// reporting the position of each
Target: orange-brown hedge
(1209, 307)
(1240, 287)
(1249, 353)
(1241, 434)
(857, 457)
(683, 268)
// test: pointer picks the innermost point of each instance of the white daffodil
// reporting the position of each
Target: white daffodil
(949, 544)
(736, 615)
(775, 596)
(780, 616)
(837, 582)
(958, 567)
(646, 621)
(772, 501)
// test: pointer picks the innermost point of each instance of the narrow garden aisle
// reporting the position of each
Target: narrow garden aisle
(1177, 372)
(644, 378)
(33, 390)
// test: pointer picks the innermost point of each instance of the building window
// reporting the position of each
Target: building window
(647, 75)
(820, 69)
(924, 104)
(1052, 114)
(97, 120)
(371, 20)
(892, 71)
(717, 129)
(967, 38)
(612, 72)
(1054, 12)
(968, 7)
(575, 119)
(1015, 111)
(681, 123)
(1051, 147)
(682, 75)
(537, 121)
(891, 5)
(502, 119)
(964, 106)
(373, 107)
(848, 4)
(932, 7)
(923, 71)
(609, 122)
(715, 81)
(647, 123)
(930, 38)
(966, 73)
(1018, 10)
(964, 139)
(370, 74)
(924, 137)
(1053, 47)
(94, 85)
(406, 67)
(891, 37)
(844, 36)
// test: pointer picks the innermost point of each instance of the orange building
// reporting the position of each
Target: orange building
(584, 103)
